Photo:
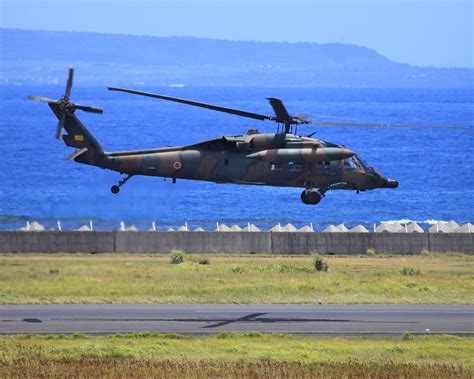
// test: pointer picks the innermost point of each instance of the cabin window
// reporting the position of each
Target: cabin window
(294, 166)
(322, 165)
(226, 162)
(276, 166)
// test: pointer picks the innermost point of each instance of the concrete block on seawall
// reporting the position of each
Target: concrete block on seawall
(276, 228)
(251, 228)
(331, 229)
(289, 228)
(453, 225)
(413, 227)
(84, 228)
(306, 229)
(123, 228)
(440, 227)
(388, 227)
(342, 228)
(466, 228)
(32, 227)
(359, 229)
(131, 228)
(222, 228)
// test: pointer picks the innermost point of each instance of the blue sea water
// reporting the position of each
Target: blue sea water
(434, 166)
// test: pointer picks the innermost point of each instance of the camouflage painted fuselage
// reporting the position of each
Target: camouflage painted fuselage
(284, 160)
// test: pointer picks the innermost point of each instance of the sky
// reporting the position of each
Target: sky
(437, 33)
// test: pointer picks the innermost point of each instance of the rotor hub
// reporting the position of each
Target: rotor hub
(66, 105)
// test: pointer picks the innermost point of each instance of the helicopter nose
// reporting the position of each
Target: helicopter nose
(391, 183)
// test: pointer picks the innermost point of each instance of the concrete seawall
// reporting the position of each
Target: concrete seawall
(234, 242)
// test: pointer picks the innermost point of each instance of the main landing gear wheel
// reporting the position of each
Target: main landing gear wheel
(116, 188)
(312, 197)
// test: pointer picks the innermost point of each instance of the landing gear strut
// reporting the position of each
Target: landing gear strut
(311, 196)
(116, 188)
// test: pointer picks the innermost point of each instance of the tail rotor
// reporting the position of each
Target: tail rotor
(65, 105)
(70, 77)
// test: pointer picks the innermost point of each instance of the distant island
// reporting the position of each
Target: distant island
(41, 57)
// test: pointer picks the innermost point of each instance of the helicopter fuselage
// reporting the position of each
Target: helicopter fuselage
(280, 159)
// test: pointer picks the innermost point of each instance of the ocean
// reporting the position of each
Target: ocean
(433, 166)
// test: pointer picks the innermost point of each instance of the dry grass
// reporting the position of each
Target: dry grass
(252, 355)
(121, 278)
(101, 368)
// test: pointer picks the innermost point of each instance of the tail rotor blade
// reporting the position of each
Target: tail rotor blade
(69, 83)
(59, 130)
(87, 108)
(41, 98)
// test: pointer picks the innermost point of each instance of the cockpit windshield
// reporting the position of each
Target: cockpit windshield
(361, 162)
(351, 164)
(364, 164)
(355, 163)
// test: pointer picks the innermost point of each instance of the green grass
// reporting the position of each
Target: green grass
(234, 355)
(121, 278)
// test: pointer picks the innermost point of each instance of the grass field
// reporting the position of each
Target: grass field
(116, 278)
(235, 355)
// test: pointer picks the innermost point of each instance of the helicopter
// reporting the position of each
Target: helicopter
(282, 159)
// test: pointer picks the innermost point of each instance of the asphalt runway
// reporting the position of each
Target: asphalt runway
(337, 320)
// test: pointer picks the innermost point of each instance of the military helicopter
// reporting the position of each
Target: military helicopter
(281, 159)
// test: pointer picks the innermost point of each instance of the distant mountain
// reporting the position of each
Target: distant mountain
(41, 57)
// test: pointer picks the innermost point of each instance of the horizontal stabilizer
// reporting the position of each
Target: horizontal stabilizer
(76, 154)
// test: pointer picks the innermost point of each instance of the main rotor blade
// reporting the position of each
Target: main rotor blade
(236, 112)
(42, 99)
(69, 83)
(88, 108)
(372, 125)
(280, 110)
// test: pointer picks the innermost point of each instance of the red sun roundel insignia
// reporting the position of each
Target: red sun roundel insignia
(177, 165)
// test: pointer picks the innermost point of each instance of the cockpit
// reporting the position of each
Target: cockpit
(355, 163)
(351, 164)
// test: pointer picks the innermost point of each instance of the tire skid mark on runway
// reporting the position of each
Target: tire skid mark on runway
(208, 319)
